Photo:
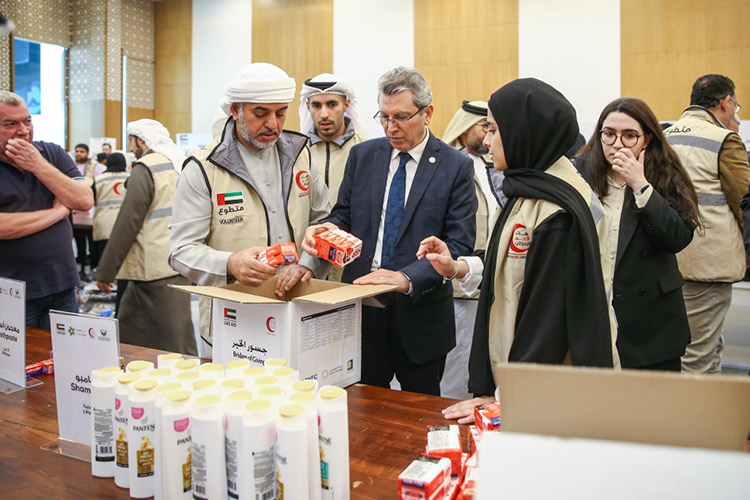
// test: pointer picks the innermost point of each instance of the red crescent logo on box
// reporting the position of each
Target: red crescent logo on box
(519, 240)
(91, 333)
(271, 324)
(303, 180)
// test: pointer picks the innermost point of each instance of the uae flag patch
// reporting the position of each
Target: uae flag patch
(229, 198)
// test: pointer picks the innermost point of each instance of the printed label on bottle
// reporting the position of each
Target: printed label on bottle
(122, 450)
(103, 435)
(264, 470)
(145, 458)
(199, 471)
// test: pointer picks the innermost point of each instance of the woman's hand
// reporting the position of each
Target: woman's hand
(630, 168)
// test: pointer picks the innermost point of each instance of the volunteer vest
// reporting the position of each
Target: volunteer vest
(238, 216)
(510, 270)
(331, 161)
(110, 191)
(147, 258)
(482, 219)
(716, 253)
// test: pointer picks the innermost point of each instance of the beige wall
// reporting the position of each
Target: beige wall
(466, 49)
(173, 66)
(667, 44)
(297, 36)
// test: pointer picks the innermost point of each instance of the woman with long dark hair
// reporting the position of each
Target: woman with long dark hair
(652, 210)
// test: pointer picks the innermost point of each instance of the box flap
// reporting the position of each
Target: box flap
(322, 292)
(236, 293)
(630, 405)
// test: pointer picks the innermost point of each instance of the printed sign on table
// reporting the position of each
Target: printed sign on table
(13, 331)
(81, 344)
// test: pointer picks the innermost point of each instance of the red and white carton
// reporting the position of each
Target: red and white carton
(475, 434)
(338, 247)
(283, 253)
(425, 478)
(487, 416)
(451, 492)
(445, 441)
(469, 485)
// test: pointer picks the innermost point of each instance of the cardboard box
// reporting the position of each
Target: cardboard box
(638, 406)
(316, 326)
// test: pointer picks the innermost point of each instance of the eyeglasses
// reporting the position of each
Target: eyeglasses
(628, 139)
(399, 119)
(485, 126)
(737, 105)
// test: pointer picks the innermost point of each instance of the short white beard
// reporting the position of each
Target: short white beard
(244, 131)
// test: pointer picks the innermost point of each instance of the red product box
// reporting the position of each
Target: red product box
(424, 479)
(338, 247)
(487, 416)
(283, 253)
(469, 485)
(45, 367)
(445, 441)
(48, 367)
(475, 434)
(451, 492)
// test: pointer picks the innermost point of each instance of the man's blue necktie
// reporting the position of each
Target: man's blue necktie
(393, 212)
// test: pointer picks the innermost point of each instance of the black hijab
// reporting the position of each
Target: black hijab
(538, 125)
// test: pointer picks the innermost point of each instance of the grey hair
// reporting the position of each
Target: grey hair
(400, 79)
(11, 98)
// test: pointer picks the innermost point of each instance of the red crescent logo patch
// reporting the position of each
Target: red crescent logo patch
(303, 180)
(519, 239)
(116, 189)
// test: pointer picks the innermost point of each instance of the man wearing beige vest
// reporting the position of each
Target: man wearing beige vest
(328, 114)
(255, 185)
(715, 159)
(151, 313)
(465, 132)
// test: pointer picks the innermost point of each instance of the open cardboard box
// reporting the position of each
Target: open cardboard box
(316, 326)
(630, 405)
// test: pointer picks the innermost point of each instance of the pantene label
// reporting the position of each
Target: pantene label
(279, 485)
(182, 424)
(121, 446)
(137, 413)
(145, 458)
(117, 403)
(187, 475)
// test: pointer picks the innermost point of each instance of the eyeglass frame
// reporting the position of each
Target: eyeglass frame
(619, 136)
(737, 105)
(398, 120)
(485, 125)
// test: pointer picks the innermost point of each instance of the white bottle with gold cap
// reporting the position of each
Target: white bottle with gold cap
(287, 376)
(209, 468)
(139, 366)
(292, 473)
(236, 368)
(176, 447)
(257, 466)
(211, 370)
(162, 391)
(333, 432)
(122, 412)
(141, 437)
(234, 407)
(102, 420)
(168, 360)
(306, 399)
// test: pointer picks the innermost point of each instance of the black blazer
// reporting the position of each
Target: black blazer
(650, 310)
(442, 202)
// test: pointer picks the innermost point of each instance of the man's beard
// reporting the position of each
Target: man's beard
(478, 147)
(244, 131)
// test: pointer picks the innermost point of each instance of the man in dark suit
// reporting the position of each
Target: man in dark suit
(397, 191)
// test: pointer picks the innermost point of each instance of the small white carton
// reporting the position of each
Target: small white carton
(316, 326)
